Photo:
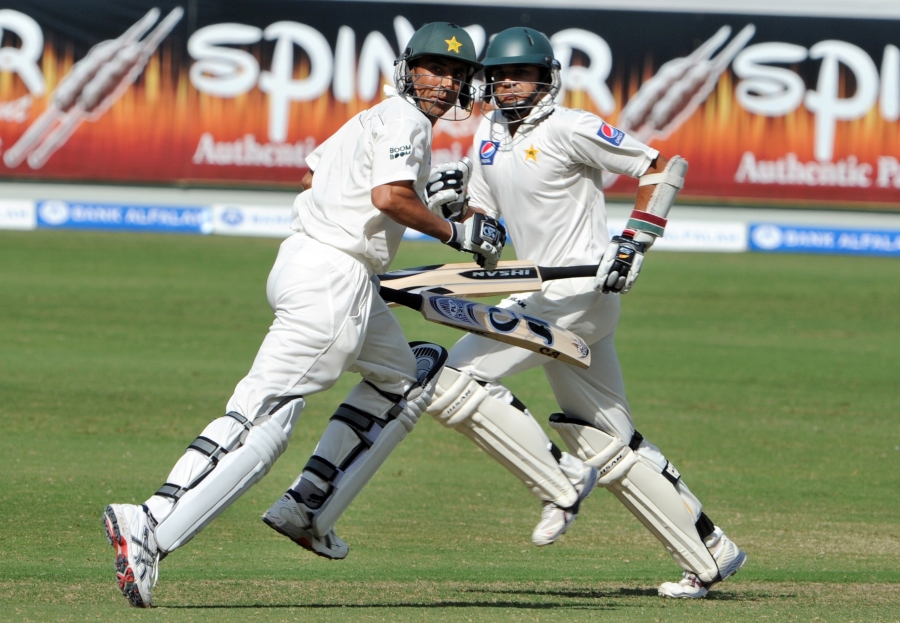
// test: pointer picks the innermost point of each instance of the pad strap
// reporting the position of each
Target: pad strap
(367, 428)
(322, 468)
(398, 400)
(213, 451)
(666, 177)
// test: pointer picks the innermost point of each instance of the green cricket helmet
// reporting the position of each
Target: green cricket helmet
(445, 40)
(522, 46)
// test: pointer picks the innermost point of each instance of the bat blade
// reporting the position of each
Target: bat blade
(469, 279)
(496, 323)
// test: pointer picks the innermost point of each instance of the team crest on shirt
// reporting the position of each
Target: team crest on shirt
(488, 151)
(610, 134)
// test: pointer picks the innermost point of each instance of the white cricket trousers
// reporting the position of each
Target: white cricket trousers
(595, 395)
(328, 319)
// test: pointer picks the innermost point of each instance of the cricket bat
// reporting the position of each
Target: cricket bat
(469, 279)
(503, 325)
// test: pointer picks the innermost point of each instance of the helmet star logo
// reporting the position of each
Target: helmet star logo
(453, 45)
(531, 153)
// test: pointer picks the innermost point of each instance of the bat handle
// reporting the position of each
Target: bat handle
(407, 299)
(567, 272)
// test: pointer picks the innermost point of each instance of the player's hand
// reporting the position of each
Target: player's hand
(445, 191)
(482, 235)
(620, 265)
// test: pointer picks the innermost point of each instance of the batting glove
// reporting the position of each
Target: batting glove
(482, 235)
(445, 192)
(620, 265)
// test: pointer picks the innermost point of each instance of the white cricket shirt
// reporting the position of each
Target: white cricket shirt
(390, 142)
(546, 181)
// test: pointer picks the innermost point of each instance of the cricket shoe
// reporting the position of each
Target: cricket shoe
(294, 520)
(729, 558)
(555, 520)
(129, 529)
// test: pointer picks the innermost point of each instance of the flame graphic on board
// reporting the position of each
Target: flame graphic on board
(152, 133)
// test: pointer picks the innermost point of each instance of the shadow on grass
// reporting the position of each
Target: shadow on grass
(588, 593)
(436, 605)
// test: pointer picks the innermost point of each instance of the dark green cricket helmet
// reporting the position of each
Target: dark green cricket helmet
(441, 39)
(522, 46)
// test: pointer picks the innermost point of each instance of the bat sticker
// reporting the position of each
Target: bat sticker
(503, 320)
(454, 309)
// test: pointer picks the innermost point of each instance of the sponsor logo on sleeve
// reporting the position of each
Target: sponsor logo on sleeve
(401, 151)
(611, 135)
(488, 151)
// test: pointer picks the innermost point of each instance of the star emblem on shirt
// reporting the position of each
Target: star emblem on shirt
(453, 45)
(531, 153)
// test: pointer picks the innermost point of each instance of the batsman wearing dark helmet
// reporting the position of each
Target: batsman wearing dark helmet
(365, 187)
(538, 165)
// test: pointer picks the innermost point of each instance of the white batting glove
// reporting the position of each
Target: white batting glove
(620, 265)
(482, 235)
(445, 191)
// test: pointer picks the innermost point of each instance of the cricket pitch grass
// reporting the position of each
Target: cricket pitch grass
(771, 381)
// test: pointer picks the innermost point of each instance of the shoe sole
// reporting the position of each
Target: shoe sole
(124, 572)
(303, 542)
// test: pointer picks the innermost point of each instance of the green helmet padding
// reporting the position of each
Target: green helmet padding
(519, 46)
(445, 40)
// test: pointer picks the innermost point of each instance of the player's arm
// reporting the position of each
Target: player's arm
(598, 144)
(480, 235)
(657, 189)
(399, 201)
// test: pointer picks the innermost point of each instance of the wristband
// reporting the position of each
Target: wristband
(646, 222)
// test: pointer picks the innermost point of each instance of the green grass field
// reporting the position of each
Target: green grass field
(772, 382)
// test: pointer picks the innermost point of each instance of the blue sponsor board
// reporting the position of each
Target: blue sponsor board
(800, 239)
(55, 214)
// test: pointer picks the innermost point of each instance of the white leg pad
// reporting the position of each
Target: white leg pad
(640, 484)
(363, 432)
(359, 438)
(226, 460)
(511, 436)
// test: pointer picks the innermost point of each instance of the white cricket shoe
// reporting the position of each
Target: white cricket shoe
(690, 587)
(555, 520)
(129, 529)
(729, 558)
(292, 519)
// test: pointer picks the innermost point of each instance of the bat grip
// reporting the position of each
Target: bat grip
(567, 272)
(407, 299)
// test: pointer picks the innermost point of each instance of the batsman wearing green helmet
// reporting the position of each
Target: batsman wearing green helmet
(538, 165)
(366, 185)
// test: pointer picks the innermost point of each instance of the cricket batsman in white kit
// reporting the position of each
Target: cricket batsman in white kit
(539, 165)
(365, 187)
